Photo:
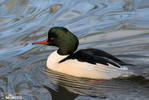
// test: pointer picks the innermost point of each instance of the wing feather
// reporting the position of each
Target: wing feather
(95, 56)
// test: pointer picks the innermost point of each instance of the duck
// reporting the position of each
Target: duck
(84, 63)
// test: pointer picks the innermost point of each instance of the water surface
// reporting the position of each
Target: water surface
(120, 27)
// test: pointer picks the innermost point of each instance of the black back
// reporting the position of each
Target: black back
(94, 56)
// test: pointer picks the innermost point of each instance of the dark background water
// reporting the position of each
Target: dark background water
(120, 27)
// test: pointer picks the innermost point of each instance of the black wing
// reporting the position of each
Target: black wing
(94, 56)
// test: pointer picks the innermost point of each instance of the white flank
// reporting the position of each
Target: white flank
(83, 69)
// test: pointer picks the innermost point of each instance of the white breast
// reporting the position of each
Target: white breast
(83, 69)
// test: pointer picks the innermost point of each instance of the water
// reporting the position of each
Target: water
(120, 27)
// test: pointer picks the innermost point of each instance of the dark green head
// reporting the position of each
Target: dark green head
(61, 38)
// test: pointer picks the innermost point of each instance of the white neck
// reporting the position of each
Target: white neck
(54, 59)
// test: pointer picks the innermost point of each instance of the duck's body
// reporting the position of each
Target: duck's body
(80, 67)
(88, 63)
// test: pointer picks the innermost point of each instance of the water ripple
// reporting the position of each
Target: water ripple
(119, 27)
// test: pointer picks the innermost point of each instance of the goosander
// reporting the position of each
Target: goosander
(86, 63)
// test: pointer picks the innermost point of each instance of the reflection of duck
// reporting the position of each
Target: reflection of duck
(88, 63)
(61, 93)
